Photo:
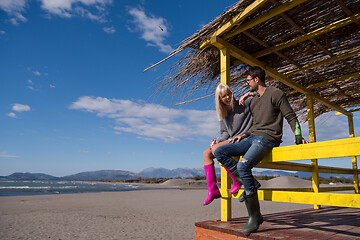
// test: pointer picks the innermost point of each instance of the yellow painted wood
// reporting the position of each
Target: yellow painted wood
(225, 199)
(324, 62)
(312, 138)
(302, 38)
(355, 174)
(342, 94)
(300, 167)
(310, 112)
(353, 159)
(264, 17)
(239, 17)
(326, 149)
(350, 110)
(322, 189)
(225, 181)
(334, 80)
(331, 199)
(248, 59)
(225, 66)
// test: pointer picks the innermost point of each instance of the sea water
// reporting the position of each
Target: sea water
(37, 187)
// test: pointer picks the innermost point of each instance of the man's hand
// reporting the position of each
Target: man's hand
(244, 97)
(304, 141)
(238, 138)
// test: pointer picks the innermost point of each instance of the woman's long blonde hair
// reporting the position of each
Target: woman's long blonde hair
(221, 108)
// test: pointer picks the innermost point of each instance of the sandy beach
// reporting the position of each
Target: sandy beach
(140, 214)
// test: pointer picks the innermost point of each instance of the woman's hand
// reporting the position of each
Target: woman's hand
(244, 97)
(214, 141)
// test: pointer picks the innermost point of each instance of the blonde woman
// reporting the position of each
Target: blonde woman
(235, 119)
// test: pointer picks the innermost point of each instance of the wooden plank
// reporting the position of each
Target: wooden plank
(324, 62)
(264, 17)
(300, 167)
(327, 149)
(225, 66)
(225, 201)
(350, 110)
(239, 17)
(331, 199)
(225, 181)
(307, 36)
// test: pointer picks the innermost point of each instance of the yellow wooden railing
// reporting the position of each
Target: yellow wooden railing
(281, 157)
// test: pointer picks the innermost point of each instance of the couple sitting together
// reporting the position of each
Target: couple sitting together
(249, 127)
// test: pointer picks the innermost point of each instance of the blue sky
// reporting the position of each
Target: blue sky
(73, 95)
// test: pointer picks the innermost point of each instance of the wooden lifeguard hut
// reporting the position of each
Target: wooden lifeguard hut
(310, 49)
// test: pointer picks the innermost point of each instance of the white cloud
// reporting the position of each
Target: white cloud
(20, 107)
(32, 88)
(2, 32)
(109, 30)
(4, 154)
(15, 9)
(151, 121)
(13, 115)
(52, 86)
(91, 9)
(30, 81)
(153, 29)
(37, 73)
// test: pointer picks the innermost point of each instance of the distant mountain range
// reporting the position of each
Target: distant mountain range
(149, 173)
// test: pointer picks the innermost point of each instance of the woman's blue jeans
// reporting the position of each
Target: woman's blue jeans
(252, 149)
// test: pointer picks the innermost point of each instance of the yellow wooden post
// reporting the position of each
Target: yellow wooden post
(225, 179)
(312, 138)
(354, 160)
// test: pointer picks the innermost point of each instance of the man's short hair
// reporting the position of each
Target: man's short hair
(256, 72)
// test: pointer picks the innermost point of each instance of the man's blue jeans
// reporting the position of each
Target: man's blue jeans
(253, 149)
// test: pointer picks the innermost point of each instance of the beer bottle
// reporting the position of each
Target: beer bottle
(298, 137)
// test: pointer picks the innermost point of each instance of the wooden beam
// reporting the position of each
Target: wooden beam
(346, 9)
(298, 189)
(239, 17)
(307, 36)
(350, 110)
(253, 37)
(343, 94)
(324, 62)
(334, 80)
(327, 149)
(225, 66)
(354, 159)
(331, 199)
(225, 179)
(265, 16)
(315, 42)
(301, 167)
(312, 139)
(248, 59)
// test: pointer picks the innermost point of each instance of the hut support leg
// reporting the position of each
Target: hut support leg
(312, 138)
(225, 179)
(354, 160)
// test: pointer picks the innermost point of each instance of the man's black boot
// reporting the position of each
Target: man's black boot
(255, 217)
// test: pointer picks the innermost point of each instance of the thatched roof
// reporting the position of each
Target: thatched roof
(199, 68)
